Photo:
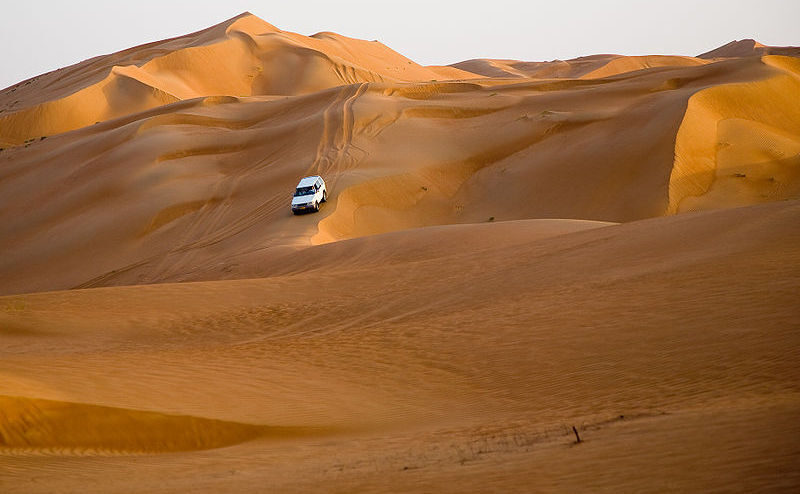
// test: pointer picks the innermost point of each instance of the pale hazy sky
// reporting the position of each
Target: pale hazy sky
(39, 36)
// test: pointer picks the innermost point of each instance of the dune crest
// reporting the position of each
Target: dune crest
(747, 48)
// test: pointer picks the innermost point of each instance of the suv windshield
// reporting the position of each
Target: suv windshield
(303, 191)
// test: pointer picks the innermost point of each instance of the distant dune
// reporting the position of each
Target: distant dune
(509, 250)
(584, 67)
(747, 48)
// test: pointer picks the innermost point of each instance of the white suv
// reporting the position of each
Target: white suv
(310, 193)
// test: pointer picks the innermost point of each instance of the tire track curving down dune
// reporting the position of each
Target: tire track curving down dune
(336, 154)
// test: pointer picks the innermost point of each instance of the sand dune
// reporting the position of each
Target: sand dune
(243, 56)
(509, 249)
(738, 143)
(749, 47)
(475, 360)
(197, 189)
(590, 67)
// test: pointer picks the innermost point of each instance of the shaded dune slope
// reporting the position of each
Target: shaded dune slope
(77, 428)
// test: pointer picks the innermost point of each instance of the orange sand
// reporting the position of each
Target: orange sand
(510, 249)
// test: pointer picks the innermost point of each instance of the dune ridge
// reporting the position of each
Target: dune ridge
(243, 56)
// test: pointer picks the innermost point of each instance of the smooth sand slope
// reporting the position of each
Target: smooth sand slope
(509, 249)
(670, 343)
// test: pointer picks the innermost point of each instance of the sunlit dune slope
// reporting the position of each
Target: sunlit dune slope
(199, 189)
(442, 370)
(739, 143)
(243, 56)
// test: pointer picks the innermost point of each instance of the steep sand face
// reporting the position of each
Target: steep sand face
(738, 143)
(441, 371)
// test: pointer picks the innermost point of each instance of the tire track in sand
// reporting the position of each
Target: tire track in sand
(334, 156)
(336, 153)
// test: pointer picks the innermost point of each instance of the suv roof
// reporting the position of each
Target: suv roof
(308, 181)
